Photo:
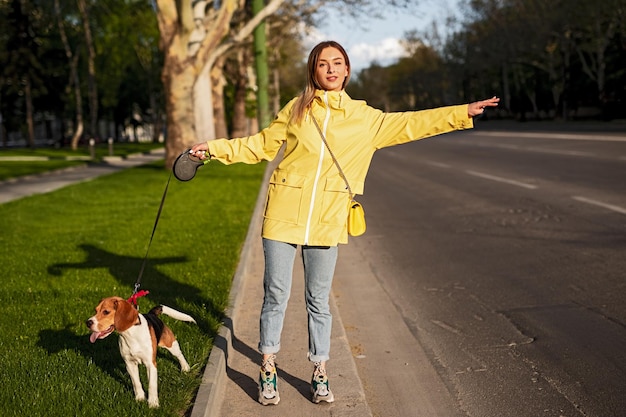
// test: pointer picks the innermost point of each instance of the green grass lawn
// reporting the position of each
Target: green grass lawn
(62, 158)
(61, 252)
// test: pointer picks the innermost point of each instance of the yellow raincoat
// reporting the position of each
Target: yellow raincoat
(307, 200)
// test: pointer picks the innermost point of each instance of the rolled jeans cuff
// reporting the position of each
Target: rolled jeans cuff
(269, 350)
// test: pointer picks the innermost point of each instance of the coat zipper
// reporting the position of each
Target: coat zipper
(319, 170)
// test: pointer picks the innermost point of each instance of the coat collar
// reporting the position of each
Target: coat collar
(335, 99)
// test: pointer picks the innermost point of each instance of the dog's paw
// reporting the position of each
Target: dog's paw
(140, 397)
(153, 403)
(185, 367)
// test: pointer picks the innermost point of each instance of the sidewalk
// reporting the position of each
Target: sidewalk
(40, 184)
(229, 384)
(230, 388)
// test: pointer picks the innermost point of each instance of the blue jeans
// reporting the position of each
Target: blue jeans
(319, 268)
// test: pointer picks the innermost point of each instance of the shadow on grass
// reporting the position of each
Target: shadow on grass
(105, 353)
(126, 269)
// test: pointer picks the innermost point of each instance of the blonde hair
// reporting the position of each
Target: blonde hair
(304, 101)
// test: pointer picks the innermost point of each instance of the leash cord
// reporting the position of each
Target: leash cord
(156, 221)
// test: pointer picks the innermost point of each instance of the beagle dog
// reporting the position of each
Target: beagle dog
(140, 334)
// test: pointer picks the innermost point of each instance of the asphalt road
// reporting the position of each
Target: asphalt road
(501, 260)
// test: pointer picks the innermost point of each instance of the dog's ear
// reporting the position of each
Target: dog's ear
(125, 315)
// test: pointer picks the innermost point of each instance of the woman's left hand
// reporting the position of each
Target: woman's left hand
(477, 108)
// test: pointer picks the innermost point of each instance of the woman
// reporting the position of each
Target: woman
(307, 201)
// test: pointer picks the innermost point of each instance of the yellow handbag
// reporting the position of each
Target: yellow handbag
(356, 219)
(356, 214)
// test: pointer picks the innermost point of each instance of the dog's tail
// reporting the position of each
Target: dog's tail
(168, 311)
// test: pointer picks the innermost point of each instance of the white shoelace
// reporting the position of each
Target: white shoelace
(269, 364)
(319, 370)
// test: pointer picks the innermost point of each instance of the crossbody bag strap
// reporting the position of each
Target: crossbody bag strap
(331, 154)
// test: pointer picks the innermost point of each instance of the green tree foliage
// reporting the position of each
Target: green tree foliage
(416, 81)
(129, 61)
(22, 72)
(546, 59)
(127, 58)
(125, 35)
(557, 59)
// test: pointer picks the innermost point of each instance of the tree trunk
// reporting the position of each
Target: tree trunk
(178, 82)
(78, 132)
(260, 60)
(240, 119)
(3, 131)
(74, 81)
(91, 65)
(28, 97)
(180, 70)
(219, 113)
(203, 106)
(157, 118)
(506, 88)
(276, 85)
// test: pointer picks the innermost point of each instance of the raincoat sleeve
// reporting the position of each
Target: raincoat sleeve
(397, 128)
(263, 146)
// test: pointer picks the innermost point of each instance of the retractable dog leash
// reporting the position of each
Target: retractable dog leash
(186, 165)
(184, 169)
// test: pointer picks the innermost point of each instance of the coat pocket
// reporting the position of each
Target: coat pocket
(284, 196)
(335, 202)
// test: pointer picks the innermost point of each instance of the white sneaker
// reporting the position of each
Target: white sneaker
(268, 390)
(319, 386)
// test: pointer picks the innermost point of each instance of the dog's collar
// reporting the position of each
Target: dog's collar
(133, 298)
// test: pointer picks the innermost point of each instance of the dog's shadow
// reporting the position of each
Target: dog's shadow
(105, 353)
(126, 270)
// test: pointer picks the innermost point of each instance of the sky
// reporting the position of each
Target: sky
(377, 40)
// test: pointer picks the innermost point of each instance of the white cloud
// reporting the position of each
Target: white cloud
(311, 35)
(385, 52)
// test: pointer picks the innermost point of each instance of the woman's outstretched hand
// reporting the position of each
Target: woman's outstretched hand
(199, 150)
(478, 107)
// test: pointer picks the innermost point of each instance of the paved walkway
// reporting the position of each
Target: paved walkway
(39, 184)
(229, 385)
